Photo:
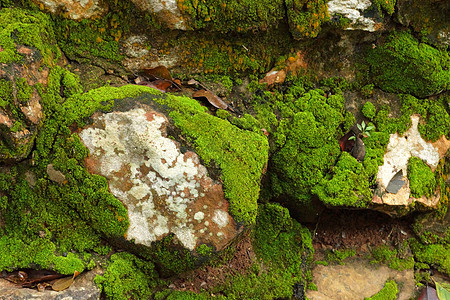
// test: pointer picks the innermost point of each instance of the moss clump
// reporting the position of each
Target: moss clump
(24, 91)
(348, 186)
(128, 277)
(403, 65)
(31, 29)
(225, 16)
(368, 110)
(422, 179)
(388, 292)
(306, 17)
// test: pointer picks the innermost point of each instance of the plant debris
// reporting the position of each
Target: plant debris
(40, 279)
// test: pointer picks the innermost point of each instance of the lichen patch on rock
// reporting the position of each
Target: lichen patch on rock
(165, 191)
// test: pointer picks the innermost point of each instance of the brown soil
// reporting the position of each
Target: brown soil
(359, 230)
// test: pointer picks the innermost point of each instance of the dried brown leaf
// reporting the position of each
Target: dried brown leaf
(159, 72)
(212, 98)
(62, 283)
(193, 82)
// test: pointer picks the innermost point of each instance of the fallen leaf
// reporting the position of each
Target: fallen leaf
(193, 82)
(428, 293)
(159, 72)
(157, 85)
(212, 98)
(346, 144)
(442, 292)
(62, 283)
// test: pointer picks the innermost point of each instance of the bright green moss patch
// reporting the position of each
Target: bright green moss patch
(387, 6)
(348, 186)
(24, 91)
(403, 65)
(421, 177)
(31, 29)
(128, 277)
(388, 292)
(369, 111)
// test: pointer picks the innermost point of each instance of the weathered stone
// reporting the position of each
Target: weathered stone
(399, 151)
(429, 17)
(83, 288)
(55, 175)
(75, 9)
(22, 116)
(166, 11)
(358, 279)
(353, 10)
(166, 190)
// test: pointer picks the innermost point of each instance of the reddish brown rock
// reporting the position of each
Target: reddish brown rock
(75, 9)
(165, 190)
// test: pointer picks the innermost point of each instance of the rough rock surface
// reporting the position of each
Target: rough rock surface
(167, 12)
(164, 189)
(83, 288)
(430, 17)
(75, 9)
(358, 279)
(28, 113)
(399, 150)
(353, 10)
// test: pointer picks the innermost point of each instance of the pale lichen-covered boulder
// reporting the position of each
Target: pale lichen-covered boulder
(395, 171)
(164, 184)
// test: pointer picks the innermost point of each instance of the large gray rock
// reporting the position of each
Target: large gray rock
(165, 188)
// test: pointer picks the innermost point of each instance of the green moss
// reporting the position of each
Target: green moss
(306, 17)
(348, 186)
(204, 250)
(388, 292)
(225, 16)
(369, 111)
(24, 91)
(436, 255)
(367, 90)
(127, 277)
(387, 6)
(338, 256)
(31, 29)
(403, 65)
(421, 177)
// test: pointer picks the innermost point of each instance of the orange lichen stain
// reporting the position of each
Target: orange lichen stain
(99, 39)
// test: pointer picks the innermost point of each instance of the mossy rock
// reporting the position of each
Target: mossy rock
(404, 65)
(29, 50)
